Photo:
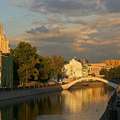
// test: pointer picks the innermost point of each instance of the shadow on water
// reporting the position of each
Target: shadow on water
(28, 108)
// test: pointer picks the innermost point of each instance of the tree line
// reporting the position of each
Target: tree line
(112, 73)
(30, 66)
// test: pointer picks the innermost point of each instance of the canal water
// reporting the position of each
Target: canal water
(80, 103)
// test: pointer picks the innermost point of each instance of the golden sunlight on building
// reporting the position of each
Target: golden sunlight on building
(107, 64)
(96, 68)
(73, 69)
(112, 63)
(4, 44)
(6, 62)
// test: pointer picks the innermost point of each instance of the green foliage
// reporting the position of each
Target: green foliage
(25, 57)
(15, 75)
(43, 68)
(50, 68)
(113, 73)
(24, 53)
(57, 63)
(31, 66)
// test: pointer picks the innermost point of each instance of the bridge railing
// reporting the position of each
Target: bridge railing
(69, 84)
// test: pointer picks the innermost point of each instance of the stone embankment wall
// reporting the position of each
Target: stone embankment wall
(19, 93)
(113, 109)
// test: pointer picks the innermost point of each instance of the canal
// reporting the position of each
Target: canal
(80, 103)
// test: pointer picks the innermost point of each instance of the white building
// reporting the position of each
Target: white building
(74, 69)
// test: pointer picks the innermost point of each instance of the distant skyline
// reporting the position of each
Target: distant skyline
(81, 28)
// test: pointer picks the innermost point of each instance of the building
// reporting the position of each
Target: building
(96, 68)
(4, 44)
(0, 67)
(76, 69)
(86, 69)
(6, 62)
(112, 63)
(81, 68)
(73, 69)
(6, 71)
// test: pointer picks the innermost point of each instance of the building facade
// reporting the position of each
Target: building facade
(0, 67)
(80, 68)
(85, 69)
(112, 63)
(96, 68)
(6, 62)
(4, 44)
(6, 71)
(75, 69)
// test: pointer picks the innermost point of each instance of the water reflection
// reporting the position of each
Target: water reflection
(78, 100)
(79, 104)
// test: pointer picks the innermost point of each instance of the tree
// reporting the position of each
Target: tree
(104, 72)
(44, 69)
(57, 63)
(25, 56)
(31, 66)
(24, 53)
(113, 73)
(50, 68)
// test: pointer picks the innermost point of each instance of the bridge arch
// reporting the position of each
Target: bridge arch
(70, 84)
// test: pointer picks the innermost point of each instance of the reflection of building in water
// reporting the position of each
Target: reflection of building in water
(78, 100)
(7, 113)
(30, 110)
(0, 116)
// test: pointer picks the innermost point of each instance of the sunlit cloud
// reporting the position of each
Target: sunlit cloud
(73, 27)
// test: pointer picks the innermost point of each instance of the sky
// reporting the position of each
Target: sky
(71, 28)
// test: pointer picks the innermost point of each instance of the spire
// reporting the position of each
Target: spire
(1, 28)
(4, 44)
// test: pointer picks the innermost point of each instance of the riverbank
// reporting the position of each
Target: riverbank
(6, 95)
(9, 94)
(80, 104)
(21, 93)
(113, 109)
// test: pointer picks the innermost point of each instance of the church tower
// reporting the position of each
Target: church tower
(4, 44)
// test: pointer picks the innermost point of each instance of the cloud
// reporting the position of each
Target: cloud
(97, 37)
(41, 29)
(62, 7)
(75, 27)
(113, 5)
(55, 36)
(70, 7)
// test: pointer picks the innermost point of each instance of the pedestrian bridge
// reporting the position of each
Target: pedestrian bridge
(70, 84)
